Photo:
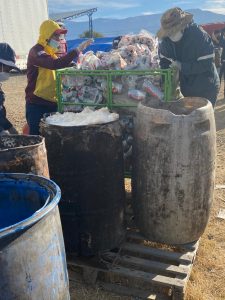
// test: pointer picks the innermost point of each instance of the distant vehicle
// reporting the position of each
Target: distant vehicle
(19, 25)
(210, 27)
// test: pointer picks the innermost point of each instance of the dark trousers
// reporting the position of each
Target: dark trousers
(5, 124)
(34, 114)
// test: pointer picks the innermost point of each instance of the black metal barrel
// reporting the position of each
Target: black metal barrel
(87, 163)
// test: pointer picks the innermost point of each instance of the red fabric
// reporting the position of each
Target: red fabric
(26, 129)
(210, 27)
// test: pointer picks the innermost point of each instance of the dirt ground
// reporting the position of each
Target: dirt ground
(207, 281)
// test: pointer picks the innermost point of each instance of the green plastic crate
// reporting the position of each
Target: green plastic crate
(166, 76)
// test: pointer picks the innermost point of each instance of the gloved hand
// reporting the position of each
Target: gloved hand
(84, 45)
(176, 65)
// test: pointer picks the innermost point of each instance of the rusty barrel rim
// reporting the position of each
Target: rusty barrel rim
(40, 141)
(202, 105)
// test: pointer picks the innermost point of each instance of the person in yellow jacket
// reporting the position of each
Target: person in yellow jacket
(41, 79)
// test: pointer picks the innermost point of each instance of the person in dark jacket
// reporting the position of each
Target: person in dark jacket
(7, 63)
(116, 41)
(187, 47)
(222, 45)
(41, 78)
(216, 36)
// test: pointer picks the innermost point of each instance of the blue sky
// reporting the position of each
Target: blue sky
(128, 8)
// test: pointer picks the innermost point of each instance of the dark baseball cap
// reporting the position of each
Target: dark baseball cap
(8, 56)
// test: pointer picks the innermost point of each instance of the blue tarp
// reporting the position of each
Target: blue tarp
(99, 44)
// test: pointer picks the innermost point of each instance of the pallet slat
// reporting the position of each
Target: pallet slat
(148, 277)
(145, 276)
(148, 265)
(159, 253)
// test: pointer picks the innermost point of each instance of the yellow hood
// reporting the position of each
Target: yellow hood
(46, 82)
(46, 30)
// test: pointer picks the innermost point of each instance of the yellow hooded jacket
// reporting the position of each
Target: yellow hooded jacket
(46, 81)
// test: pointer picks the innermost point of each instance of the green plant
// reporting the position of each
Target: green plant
(86, 34)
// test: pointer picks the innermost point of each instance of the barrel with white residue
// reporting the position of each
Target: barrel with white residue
(174, 169)
(87, 162)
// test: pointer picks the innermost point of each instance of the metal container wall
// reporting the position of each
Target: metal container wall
(32, 254)
(23, 154)
(174, 169)
(87, 163)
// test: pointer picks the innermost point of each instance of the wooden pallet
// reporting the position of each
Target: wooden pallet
(140, 269)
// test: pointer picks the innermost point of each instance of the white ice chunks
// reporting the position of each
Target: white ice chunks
(84, 118)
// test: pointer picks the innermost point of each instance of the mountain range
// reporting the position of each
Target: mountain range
(151, 23)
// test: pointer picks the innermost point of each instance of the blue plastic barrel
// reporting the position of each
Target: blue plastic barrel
(32, 254)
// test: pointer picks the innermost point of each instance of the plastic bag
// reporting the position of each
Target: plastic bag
(117, 88)
(113, 60)
(129, 81)
(136, 94)
(89, 61)
(152, 90)
(90, 94)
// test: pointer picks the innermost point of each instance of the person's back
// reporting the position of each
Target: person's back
(193, 54)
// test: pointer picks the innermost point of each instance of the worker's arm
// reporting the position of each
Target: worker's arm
(44, 60)
(38, 57)
(166, 53)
